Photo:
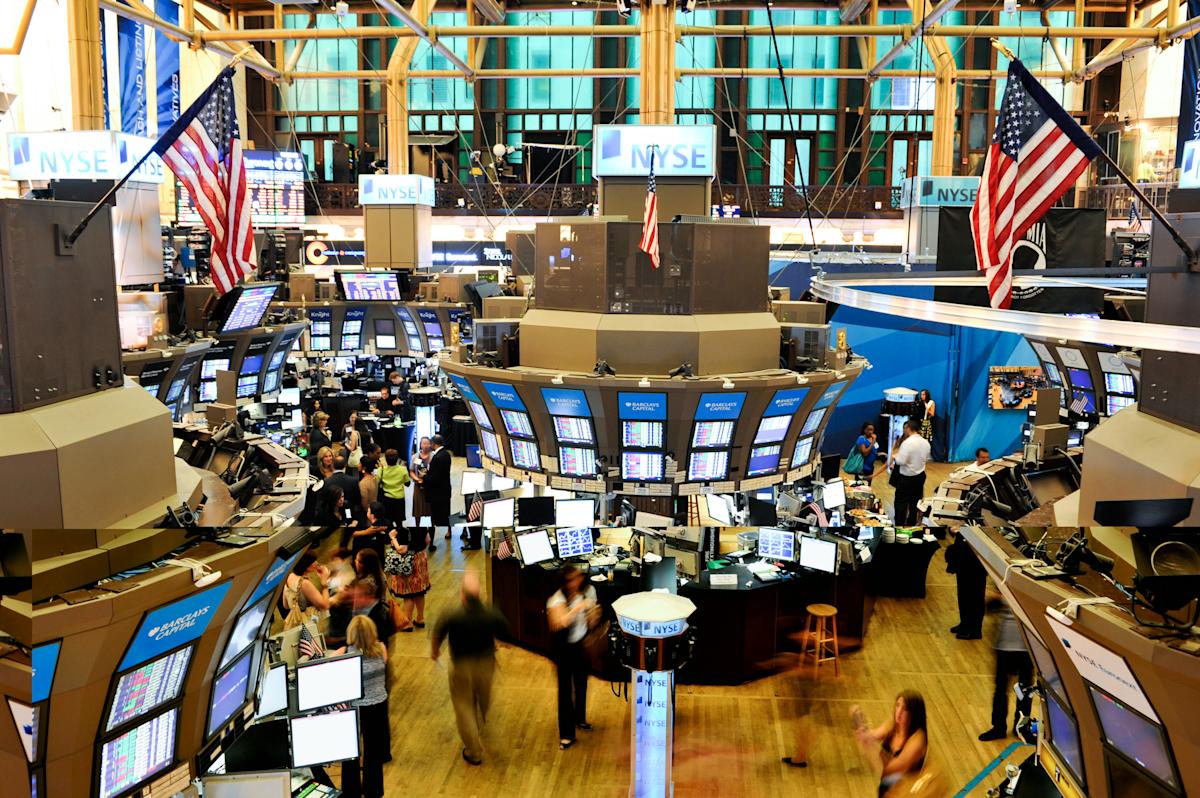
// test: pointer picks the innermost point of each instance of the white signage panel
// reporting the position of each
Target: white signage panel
(81, 155)
(678, 150)
(396, 190)
(1106, 669)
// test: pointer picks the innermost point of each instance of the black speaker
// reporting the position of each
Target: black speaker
(59, 337)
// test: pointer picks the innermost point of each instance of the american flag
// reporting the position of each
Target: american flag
(649, 242)
(308, 646)
(1079, 406)
(1135, 218)
(504, 550)
(204, 150)
(1037, 153)
(476, 508)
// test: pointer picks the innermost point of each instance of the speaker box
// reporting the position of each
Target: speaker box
(51, 299)
(1050, 437)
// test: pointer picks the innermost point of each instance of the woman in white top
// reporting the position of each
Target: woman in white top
(572, 610)
(353, 440)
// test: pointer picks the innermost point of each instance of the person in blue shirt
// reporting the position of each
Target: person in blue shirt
(868, 447)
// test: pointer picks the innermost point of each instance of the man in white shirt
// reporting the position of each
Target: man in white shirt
(912, 453)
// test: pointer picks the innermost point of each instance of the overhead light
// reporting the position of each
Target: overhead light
(341, 8)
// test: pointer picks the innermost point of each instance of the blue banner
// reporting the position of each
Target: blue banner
(1189, 92)
(566, 402)
(275, 574)
(642, 406)
(786, 402)
(173, 625)
(720, 406)
(831, 393)
(504, 395)
(465, 388)
(166, 67)
(45, 660)
(104, 72)
(131, 55)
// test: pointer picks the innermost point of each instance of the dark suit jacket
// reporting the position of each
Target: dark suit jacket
(349, 486)
(437, 478)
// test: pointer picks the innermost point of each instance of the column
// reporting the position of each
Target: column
(83, 53)
(943, 121)
(397, 115)
(658, 64)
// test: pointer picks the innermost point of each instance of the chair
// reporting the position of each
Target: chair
(820, 635)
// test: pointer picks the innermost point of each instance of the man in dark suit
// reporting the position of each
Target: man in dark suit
(368, 602)
(348, 484)
(436, 485)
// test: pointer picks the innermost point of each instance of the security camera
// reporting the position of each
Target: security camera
(624, 8)
(341, 8)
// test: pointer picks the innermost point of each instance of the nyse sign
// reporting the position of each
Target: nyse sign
(396, 190)
(937, 192)
(81, 155)
(652, 733)
(678, 150)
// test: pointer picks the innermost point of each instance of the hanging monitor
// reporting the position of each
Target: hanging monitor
(148, 687)
(369, 286)
(708, 466)
(491, 445)
(517, 423)
(1119, 383)
(803, 452)
(642, 466)
(573, 430)
(772, 429)
(763, 460)
(246, 630)
(328, 681)
(140, 753)
(229, 692)
(249, 307)
(1080, 378)
(576, 461)
(324, 738)
(813, 421)
(480, 414)
(642, 434)
(1063, 736)
(385, 334)
(525, 454)
(710, 434)
(1135, 737)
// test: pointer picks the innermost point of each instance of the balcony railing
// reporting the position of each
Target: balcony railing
(1116, 199)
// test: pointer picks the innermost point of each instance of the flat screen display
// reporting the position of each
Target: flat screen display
(525, 455)
(819, 555)
(833, 495)
(247, 386)
(229, 693)
(535, 510)
(320, 343)
(573, 430)
(249, 308)
(709, 434)
(273, 694)
(480, 414)
(642, 434)
(208, 391)
(831, 393)
(718, 509)
(777, 544)
(209, 368)
(274, 183)
(385, 334)
(1045, 664)
(1052, 373)
(813, 421)
(772, 429)
(708, 466)
(517, 423)
(1119, 383)
(277, 360)
(1118, 403)
(575, 542)
(472, 482)
(803, 452)
(576, 461)
(252, 364)
(642, 466)
(245, 631)
(1083, 402)
(535, 547)
(491, 445)
(763, 460)
(148, 687)
(271, 382)
(138, 754)
(499, 514)
(1135, 737)
(324, 738)
(1064, 737)
(1080, 378)
(370, 286)
(325, 682)
(575, 513)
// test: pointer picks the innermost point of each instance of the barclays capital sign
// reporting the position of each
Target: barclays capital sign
(81, 155)
(396, 190)
(679, 150)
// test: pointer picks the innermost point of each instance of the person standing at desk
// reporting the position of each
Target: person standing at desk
(318, 438)
(352, 440)
(393, 478)
(436, 484)
(970, 579)
(384, 405)
(363, 638)
(348, 484)
(571, 611)
(912, 453)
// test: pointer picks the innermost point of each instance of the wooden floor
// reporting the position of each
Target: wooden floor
(728, 740)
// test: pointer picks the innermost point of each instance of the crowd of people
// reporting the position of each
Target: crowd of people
(910, 455)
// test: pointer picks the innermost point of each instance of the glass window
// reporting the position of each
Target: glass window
(560, 52)
(804, 52)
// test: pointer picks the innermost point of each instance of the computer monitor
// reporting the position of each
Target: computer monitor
(772, 429)
(499, 514)
(1063, 736)
(819, 555)
(273, 690)
(833, 494)
(369, 286)
(328, 681)
(573, 430)
(708, 466)
(472, 482)
(1080, 378)
(525, 454)
(517, 423)
(577, 461)
(831, 466)
(642, 434)
(535, 510)
(1135, 737)
(266, 784)
(1083, 402)
(245, 631)
(385, 334)
(813, 421)
(777, 544)
(763, 460)
(503, 483)
(535, 547)
(252, 364)
(324, 738)
(249, 307)
(660, 575)
(718, 509)
(229, 691)
(1118, 403)
(710, 434)
(491, 445)
(148, 687)
(642, 466)
(140, 753)
(480, 414)
(575, 513)
(289, 396)
(575, 542)
(1118, 383)
(762, 513)
(1052, 373)
(803, 452)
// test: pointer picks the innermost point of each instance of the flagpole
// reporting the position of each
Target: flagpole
(73, 236)
(1188, 252)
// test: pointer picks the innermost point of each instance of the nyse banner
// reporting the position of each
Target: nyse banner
(1189, 95)
(1065, 238)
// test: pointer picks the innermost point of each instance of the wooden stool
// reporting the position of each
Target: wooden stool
(820, 619)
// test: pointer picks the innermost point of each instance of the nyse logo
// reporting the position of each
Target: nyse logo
(20, 150)
(620, 147)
